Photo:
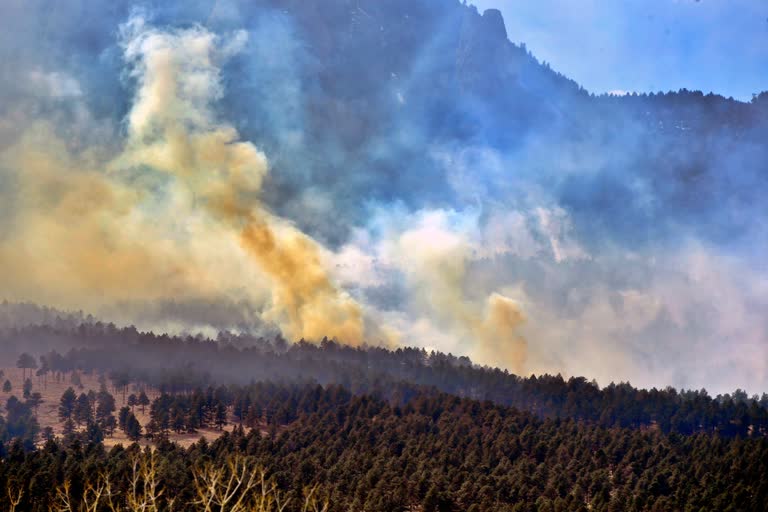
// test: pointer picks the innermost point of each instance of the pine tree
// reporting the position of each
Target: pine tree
(178, 420)
(94, 433)
(67, 404)
(75, 380)
(133, 428)
(43, 371)
(25, 362)
(48, 433)
(105, 406)
(220, 417)
(122, 417)
(34, 400)
(27, 389)
(143, 400)
(83, 414)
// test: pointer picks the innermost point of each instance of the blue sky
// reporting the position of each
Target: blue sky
(647, 45)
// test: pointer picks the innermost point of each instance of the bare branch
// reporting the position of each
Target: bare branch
(14, 496)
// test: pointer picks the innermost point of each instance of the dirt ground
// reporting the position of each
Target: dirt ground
(51, 391)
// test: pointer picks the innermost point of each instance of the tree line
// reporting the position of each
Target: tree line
(175, 364)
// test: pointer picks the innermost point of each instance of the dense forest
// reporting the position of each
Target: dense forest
(437, 452)
(325, 426)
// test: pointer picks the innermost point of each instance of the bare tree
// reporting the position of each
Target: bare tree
(15, 494)
(144, 493)
(311, 503)
(238, 485)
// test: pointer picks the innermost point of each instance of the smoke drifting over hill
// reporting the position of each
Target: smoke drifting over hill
(183, 179)
(163, 218)
(379, 172)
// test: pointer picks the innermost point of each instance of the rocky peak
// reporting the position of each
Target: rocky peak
(493, 23)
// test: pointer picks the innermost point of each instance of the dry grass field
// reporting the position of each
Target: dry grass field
(51, 391)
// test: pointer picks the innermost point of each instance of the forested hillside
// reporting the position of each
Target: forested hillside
(176, 364)
(354, 428)
(435, 453)
(323, 245)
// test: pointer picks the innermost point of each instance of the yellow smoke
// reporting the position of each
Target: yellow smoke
(175, 213)
(499, 340)
(65, 244)
(172, 129)
(434, 258)
(304, 298)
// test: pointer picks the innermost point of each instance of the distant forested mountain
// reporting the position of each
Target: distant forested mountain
(180, 364)
(404, 82)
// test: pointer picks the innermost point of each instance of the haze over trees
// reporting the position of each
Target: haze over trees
(421, 107)
(371, 429)
(176, 364)
(329, 145)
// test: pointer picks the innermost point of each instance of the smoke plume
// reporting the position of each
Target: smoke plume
(172, 129)
(432, 254)
(391, 171)
(176, 213)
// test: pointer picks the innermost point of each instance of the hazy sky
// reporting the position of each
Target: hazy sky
(647, 45)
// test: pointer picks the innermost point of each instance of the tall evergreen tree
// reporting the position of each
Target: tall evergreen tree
(67, 404)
